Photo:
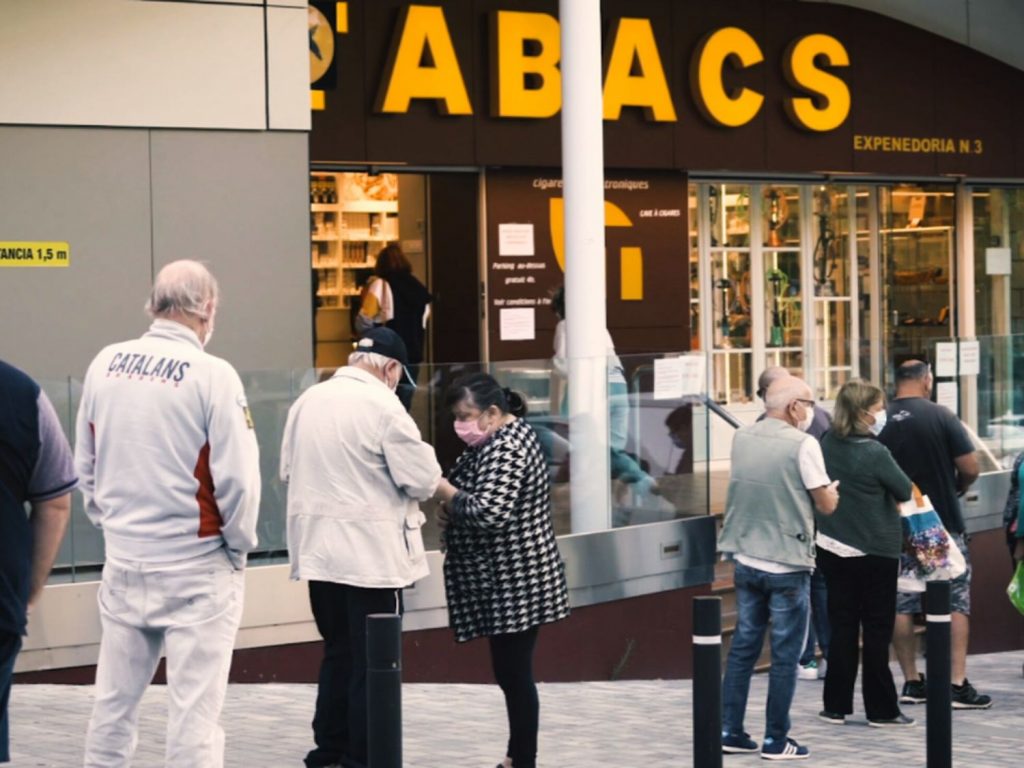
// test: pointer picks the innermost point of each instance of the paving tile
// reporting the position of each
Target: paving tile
(631, 724)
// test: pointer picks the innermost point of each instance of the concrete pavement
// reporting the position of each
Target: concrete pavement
(625, 724)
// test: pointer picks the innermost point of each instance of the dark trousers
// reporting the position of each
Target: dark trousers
(10, 644)
(339, 725)
(818, 631)
(861, 601)
(512, 662)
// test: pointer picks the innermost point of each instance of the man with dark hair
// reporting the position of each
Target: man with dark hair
(35, 467)
(933, 448)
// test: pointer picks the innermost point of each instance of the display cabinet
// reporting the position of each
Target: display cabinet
(353, 216)
(917, 246)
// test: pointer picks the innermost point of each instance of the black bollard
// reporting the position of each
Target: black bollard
(938, 677)
(707, 682)
(384, 690)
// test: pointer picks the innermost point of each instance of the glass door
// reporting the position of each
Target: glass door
(916, 233)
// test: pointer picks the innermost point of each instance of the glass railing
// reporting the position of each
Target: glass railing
(667, 450)
(658, 447)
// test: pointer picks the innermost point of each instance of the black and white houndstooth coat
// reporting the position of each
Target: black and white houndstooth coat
(502, 569)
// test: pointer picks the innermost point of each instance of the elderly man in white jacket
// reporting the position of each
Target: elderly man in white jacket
(356, 467)
(169, 469)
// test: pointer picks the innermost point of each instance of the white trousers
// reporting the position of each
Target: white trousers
(190, 608)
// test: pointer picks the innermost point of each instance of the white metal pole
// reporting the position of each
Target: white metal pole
(585, 315)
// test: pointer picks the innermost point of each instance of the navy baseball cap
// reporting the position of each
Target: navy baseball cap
(384, 341)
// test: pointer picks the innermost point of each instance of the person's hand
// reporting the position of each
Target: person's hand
(1018, 551)
(443, 515)
(445, 491)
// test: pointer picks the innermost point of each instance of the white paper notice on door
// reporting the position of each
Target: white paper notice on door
(945, 358)
(946, 394)
(693, 372)
(515, 240)
(668, 378)
(970, 358)
(517, 324)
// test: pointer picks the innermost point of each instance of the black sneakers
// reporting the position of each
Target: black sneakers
(915, 692)
(965, 697)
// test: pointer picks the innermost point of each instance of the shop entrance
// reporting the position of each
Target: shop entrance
(355, 216)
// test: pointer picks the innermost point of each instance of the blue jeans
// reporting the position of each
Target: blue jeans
(819, 630)
(784, 598)
(10, 644)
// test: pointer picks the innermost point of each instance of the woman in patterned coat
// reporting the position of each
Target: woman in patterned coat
(503, 574)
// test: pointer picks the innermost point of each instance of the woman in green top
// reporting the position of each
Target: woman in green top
(858, 552)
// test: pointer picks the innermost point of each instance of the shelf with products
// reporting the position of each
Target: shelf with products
(352, 217)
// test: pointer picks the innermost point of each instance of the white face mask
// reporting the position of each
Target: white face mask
(806, 421)
(209, 333)
(392, 387)
(880, 418)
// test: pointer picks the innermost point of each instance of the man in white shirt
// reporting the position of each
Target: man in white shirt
(777, 479)
(356, 469)
(169, 470)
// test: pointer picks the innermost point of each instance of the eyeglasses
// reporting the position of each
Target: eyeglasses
(808, 403)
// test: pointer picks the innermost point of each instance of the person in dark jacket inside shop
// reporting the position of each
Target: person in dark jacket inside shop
(396, 299)
(503, 573)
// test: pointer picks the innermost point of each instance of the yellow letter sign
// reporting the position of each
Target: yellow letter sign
(730, 44)
(422, 65)
(633, 40)
(514, 68)
(802, 73)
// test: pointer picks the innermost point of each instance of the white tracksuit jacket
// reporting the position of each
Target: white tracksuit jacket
(166, 450)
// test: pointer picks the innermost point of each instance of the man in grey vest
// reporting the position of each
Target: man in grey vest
(777, 479)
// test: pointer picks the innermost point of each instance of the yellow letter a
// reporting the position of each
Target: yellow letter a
(408, 75)
(633, 40)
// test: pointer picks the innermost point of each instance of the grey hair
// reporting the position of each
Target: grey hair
(784, 391)
(183, 287)
(371, 359)
(769, 376)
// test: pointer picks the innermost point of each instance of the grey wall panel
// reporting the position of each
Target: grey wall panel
(89, 187)
(239, 201)
(993, 27)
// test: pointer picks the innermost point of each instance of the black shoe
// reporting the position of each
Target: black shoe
(892, 722)
(914, 692)
(832, 717)
(965, 697)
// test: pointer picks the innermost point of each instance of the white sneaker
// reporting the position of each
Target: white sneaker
(808, 671)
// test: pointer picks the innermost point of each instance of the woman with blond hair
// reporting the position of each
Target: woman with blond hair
(858, 551)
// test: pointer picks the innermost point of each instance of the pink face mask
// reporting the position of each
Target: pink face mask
(470, 433)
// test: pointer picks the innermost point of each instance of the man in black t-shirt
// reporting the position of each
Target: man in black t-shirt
(35, 467)
(933, 448)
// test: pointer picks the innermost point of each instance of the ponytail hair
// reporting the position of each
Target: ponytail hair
(483, 391)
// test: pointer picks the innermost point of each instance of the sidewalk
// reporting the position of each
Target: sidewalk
(621, 724)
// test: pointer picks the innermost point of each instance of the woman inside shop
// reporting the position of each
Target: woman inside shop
(858, 551)
(395, 298)
(503, 573)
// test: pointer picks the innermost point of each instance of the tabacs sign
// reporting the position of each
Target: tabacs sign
(525, 75)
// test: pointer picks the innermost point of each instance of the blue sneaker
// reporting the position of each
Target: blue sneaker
(787, 749)
(738, 743)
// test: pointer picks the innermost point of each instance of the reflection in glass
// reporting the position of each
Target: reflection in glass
(730, 279)
(729, 215)
(827, 254)
(783, 314)
(780, 208)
